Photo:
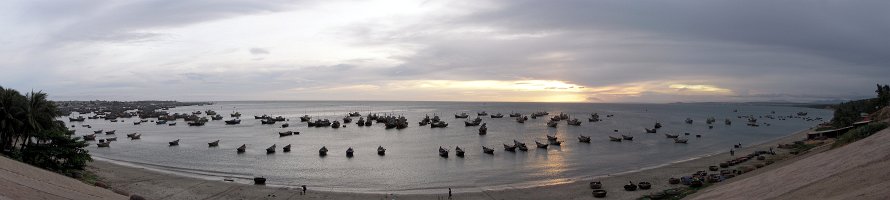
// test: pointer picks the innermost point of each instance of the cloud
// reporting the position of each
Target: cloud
(603, 51)
(258, 51)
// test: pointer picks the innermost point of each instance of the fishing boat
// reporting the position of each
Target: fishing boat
(509, 147)
(614, 139)
(361, 121)
(335, 124)
(483, 130)
(213, 144)
(267, 121)
(174, 142)
(541, 145)
(111, 139)
(305, 118)
(440, 124)
(551, 138)
(235, 114)
(347, 120)
(259, 181)
(110, 132)
(521, 146)
(286, 148)
(552, 124)
(595, 117)
(172, 124)
(678, 140)
(216, 117)
(522, 119)
(689, 120)
(487, 150)
(286, 133)
(136, 137)
(271, 149)
(671, 136)
(262, 117)
(78, 119)
(160, 122)
(323, 151)
(627, 137)
(355, 114)
(196, 123)
(459, 152)
(498, 115)
(137, 123)
(97, 131)
(483, 113)
(475, 122)
(651, 130)
(242, 148)
(381, 151)
(727, 121)
(233, 121)
(461, 115)
(584, 139)
(657, 125)
(515, 114)
(574, 122)
(368, 123)
(103, 144)
(349, 152)
(443, 152)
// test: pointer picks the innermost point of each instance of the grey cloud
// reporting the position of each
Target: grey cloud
(258, 51)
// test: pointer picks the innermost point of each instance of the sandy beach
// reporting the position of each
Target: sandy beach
(22, 181)
(157, 184)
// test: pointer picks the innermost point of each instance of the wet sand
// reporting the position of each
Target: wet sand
(155, 184)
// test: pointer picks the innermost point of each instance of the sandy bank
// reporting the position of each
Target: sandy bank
(22, 181)
(855, 171)
(155, 184)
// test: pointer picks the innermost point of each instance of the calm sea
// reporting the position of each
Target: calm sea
(412, 163)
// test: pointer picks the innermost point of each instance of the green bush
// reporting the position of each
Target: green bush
(859, 133)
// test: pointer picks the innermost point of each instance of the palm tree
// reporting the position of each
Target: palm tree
(40, 115)
(11, 115)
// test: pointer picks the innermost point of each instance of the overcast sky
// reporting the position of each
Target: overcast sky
(450, 50)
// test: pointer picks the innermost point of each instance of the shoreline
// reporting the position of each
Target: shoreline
(121, 176)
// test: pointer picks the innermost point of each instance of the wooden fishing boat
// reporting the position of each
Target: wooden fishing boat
(103, 144)
(381, 151)
(584, 139)
(174, 142)
(671, 136)
(349, 152)
(443, 152)
(627, 137)
(459, 152)
(242, 148)
(323, 151)
(541, 145)
(286, 148)
(270, 150)
(487, 150)
(213, 144)
(614, 139)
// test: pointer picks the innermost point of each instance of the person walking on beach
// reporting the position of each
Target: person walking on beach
(731, 152)
(304, 190)
(449, 193)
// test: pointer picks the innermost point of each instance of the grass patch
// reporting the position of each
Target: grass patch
(859, 133)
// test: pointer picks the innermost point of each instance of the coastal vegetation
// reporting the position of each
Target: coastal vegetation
(847, 113)
(859, 133)
(29, 132)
